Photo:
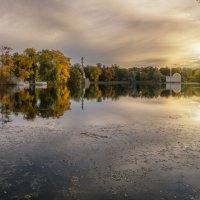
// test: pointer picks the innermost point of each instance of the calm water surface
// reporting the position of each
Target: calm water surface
(104, 142)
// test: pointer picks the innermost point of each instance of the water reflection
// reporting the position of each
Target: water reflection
(51, 102)
(54, 102)
(128, 136)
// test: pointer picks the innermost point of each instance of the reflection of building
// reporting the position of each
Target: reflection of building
(42, 85)
(173, 83)
(23, 84)
(175, 87)
(85, 83)
(176, 78)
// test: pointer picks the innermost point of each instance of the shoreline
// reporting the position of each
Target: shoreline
(115, 83)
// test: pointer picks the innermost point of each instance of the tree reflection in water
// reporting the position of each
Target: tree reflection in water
(53, 102)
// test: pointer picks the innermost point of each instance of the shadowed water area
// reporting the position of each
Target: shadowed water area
(104, 142)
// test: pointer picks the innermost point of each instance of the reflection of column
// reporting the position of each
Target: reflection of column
(82, 98)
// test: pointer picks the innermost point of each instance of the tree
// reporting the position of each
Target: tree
(187, 74)
(99, 65)
(120, 74)
(33, 56)
(197, 75)
(93, 72)
(75, 79)
(109, 73)
(23, 66)
(132, 77)
(165, 71)
(157, 76)
(6, 60)
(53, 66)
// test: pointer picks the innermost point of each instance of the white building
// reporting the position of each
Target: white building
(176, 78)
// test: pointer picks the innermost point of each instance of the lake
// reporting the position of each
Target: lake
(103, 142)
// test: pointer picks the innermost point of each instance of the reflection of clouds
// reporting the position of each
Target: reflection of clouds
(123, 32)
(187, 108)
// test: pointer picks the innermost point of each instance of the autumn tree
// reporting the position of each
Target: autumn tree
(33, 56)
(6, 60)
(109, 73)
(53, 66)
(93, 73)
(23, 66)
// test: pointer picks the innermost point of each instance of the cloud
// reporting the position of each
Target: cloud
(128, 32)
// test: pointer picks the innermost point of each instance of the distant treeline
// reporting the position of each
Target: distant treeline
(54, 67)
(134, 74)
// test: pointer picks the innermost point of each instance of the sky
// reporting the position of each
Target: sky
(124, 32)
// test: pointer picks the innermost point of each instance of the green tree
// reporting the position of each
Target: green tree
(120, 74)
(109, 73)
(197, 75)
(99, 65)
(75, 79)
(157, 76)
(187, 74)
(165, 71)
(132, 76)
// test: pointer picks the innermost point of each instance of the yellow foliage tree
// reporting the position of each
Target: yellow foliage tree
(54, 66)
